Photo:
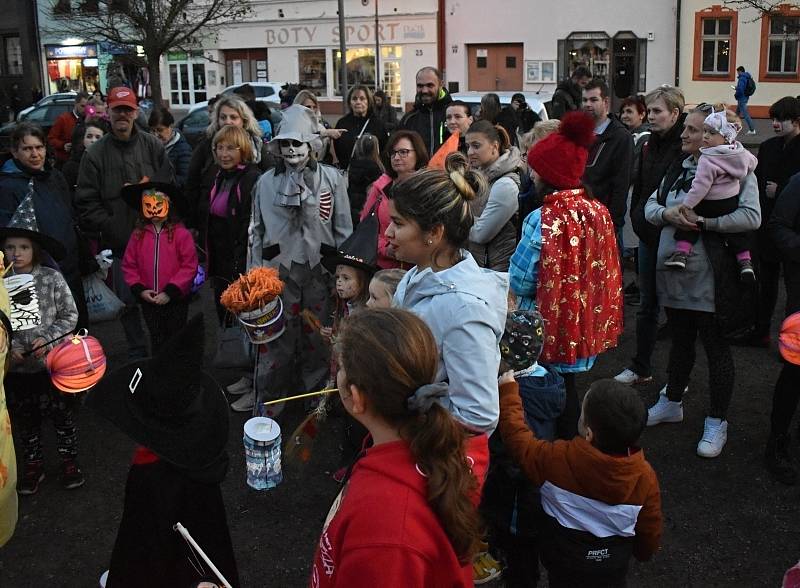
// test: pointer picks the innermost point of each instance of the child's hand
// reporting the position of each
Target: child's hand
(148, 296)
(326, 333)
(161, 298)
(771, 189)
(37, 343)
(506, 377)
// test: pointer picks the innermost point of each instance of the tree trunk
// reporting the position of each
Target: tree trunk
(154, 65)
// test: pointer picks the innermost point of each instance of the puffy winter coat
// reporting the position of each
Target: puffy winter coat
(180, 154)
(429, 121)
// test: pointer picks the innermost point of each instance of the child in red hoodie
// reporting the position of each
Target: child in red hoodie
(600, 496)
(404, 517)
(160, 261)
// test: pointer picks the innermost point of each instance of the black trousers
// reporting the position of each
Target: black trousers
(567, 421)
(164, 321)
(686, 326)
(787, 388)
(712, 209)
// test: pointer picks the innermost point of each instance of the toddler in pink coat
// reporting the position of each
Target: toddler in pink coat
(723, 163)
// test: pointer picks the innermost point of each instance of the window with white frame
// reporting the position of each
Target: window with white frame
(716, 46)
(784, 33)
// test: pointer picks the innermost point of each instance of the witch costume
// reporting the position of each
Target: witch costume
(179, 416)
(297, 207)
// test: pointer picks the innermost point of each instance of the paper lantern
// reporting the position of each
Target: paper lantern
(789, 339)
(77, 364)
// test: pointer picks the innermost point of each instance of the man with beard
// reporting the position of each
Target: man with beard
(428, 116)
(298, 207)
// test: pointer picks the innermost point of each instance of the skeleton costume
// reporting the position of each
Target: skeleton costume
(297, 207)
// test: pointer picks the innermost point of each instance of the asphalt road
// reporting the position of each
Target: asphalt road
(726, 523)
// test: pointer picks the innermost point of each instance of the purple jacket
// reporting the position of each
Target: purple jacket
(719, 173)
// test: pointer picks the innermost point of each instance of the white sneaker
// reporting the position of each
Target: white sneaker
(664, 411)
(240, 386)
(245, 403)
(631, 378)
(715, 434)
(104, 579)
(751, 132)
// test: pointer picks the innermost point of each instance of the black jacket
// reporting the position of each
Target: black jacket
(567, 97)
(656, 157)
(388, 116)
(608, 169)
(509, 120)
(359, 178)
(429, 121)
(354, 125)
(784, 230)
(778, 161)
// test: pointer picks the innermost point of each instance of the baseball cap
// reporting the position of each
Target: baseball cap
(122, 96)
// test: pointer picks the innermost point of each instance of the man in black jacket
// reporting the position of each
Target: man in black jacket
(428, 116)
(567, 96)
(608, 169)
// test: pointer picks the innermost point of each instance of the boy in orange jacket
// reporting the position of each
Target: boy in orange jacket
(600, 496)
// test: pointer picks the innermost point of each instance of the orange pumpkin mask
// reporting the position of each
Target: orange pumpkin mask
(155, 205)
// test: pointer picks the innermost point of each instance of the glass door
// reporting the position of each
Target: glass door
(187, 83)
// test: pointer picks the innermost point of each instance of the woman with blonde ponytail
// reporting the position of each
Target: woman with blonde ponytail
(405, 517)
(464, 305)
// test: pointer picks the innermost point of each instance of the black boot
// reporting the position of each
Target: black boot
(779, 462)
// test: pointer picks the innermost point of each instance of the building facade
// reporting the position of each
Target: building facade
(530, 46)
(717, 38)
(20, 81)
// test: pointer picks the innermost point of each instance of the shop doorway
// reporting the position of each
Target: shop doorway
(628, 63)
(495, 67)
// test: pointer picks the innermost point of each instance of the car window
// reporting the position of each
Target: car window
(198, 118)
(264, 91)
(38, 114)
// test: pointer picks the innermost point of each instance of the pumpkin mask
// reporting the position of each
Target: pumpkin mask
(155, 205)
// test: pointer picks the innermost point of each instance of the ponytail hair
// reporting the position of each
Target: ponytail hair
(403, 357)
(434, 197)
(495, 134)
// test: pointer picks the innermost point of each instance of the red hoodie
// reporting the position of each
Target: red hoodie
(381, 531)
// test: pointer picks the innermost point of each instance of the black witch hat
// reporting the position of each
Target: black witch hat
(168, 403)
(360, 250)
(132, 194)
(24, 224)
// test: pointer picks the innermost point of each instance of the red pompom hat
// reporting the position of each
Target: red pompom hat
(560, 158)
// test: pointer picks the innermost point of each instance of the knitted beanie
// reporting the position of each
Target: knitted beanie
(560, 158)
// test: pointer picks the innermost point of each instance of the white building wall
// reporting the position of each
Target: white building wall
(539, 24)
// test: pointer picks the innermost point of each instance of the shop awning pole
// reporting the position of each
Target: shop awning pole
(343, 59)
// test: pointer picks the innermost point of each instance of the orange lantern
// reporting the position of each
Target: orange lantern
(77, 364)
(789, 339)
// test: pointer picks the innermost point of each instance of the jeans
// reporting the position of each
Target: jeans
(741, 110)
(647, 315)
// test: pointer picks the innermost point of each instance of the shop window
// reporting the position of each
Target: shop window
(780, 45)
(587, 49)
(13, 53)
(715, 43)
(360, 68)
(390, 70)
(313, 72)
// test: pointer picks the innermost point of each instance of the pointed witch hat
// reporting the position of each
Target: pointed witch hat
(360, 249)
(168, 403)
(23, 224)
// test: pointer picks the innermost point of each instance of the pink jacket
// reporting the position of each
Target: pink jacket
(154, 261)
(378, 193)
(719, 173)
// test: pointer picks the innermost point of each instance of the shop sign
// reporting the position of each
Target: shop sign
(70, 51)
(389, 31)
(183, 55)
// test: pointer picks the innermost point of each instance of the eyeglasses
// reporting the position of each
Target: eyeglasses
(289, 143)
(226, 149)
(401, 153)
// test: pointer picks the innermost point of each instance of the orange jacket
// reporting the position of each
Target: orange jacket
(583, 473)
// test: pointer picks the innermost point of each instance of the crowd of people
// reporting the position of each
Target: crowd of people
(449, 273)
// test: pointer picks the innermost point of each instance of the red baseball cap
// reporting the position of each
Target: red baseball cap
(122, 96)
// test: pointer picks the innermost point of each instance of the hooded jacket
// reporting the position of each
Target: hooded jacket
(105, 168)
(657, 155)
(465, 308)
(382, 532)
(180, 155)
(608, 169)
(566, 98)
(429, 121)
(778, 161)
(719, 173)
(590, 497)
(52, 201)
(741, 86)
(377, 194)
(493, 237)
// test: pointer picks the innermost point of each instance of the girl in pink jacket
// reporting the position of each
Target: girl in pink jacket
(160, 260)
(715, 188)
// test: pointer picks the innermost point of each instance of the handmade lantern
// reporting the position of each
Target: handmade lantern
(77, 364)
(155, 204)
(789, 339)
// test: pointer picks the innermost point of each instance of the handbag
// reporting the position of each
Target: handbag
(233, 348)
(101, 302)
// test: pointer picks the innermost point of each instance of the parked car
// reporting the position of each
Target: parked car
(60, 96)
(264, 90)
(538, 101)
(193, 125)
(44, 115)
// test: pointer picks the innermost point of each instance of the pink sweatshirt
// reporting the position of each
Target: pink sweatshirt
(719, 173)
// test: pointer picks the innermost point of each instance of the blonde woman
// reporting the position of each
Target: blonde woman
(228, 111)
(308, 99)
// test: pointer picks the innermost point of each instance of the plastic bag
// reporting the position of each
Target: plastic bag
(102, 303)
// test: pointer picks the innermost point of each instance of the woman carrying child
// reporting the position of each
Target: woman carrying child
(160, 261)
(405, 517)
(31, 395)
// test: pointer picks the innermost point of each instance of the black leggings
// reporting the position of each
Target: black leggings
(567, 422)
(685, 326)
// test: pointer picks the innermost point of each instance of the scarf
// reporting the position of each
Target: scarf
(580, 282)
(219, 198)
(292, 186)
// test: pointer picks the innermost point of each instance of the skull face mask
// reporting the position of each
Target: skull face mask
(155, 205)
(294, 153)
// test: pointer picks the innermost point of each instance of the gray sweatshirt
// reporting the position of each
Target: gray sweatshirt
(693, 287)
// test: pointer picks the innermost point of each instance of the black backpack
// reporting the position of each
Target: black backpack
(750, 88)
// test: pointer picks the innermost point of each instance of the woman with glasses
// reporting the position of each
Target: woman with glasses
(405, 153)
